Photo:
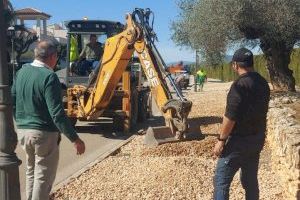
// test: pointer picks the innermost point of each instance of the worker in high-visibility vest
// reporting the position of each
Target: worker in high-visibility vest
(201, 78)
(73, 49)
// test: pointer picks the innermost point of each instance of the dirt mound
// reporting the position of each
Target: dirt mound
(202, 148)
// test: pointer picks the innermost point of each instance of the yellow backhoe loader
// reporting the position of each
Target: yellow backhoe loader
(90, 102)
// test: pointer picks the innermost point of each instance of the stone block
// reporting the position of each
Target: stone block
(283, 137)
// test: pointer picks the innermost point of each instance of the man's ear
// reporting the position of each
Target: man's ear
(235, 67)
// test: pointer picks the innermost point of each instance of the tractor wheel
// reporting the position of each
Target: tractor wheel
(143, 113)
(134, 108)
(118, 123)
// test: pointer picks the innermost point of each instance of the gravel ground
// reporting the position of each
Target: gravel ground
(181, 170)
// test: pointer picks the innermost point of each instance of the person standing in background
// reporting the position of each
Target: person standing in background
(92, 53)
(200, 79)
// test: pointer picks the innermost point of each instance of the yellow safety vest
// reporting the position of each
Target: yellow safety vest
(73, 49)
(199, 73)
(202, 74)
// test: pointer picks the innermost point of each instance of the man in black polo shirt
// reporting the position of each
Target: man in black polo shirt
(243, 130)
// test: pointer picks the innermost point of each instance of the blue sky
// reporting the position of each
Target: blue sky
(165, 11)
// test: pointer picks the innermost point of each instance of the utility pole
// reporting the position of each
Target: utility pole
(9, 162)
(196, 69)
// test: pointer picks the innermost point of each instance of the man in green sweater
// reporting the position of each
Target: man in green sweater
(40, 117)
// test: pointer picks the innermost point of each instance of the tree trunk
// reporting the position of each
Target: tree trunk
(278, 55)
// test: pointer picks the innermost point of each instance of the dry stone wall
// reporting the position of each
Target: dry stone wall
(284, 139)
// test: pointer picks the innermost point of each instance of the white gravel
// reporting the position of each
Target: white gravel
(181, 170)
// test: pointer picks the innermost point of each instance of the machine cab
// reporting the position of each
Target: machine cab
(78, 36)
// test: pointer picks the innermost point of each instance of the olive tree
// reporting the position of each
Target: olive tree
(213, 26)
(8, 13)
(21, 39)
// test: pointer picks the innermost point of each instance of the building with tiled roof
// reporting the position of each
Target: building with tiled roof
(34, 14)
(41, 28)
(31, 14)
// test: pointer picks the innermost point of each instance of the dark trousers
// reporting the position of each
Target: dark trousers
(239, 153)
(86, 66)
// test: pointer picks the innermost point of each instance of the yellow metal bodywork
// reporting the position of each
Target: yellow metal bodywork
(126, 105)
(157, 90)
(118, 51)
(115, 61)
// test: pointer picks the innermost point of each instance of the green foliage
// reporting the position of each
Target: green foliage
(295, 65)
(214, 25)
(225, 73)
(29, 55)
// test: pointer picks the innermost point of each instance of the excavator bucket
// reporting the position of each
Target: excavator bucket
(177, 126)
(163, 134)
(159, 135)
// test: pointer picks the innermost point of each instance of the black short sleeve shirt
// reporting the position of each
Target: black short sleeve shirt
(247, 104)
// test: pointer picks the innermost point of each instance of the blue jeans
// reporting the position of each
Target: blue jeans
(239, 153)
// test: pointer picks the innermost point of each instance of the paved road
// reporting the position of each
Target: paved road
(98, 139)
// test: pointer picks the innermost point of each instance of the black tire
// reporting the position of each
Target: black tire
(134, 107)
(143, 113)
(182, 84)
(118, 123)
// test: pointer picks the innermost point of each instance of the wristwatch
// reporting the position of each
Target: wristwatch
(222, 139)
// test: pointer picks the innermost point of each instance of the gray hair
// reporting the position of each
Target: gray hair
(45, 49)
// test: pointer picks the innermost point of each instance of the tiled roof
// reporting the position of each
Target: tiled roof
(31, 11)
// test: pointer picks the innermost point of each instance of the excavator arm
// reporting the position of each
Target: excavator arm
(138, 37)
